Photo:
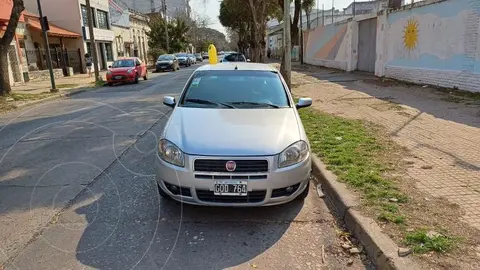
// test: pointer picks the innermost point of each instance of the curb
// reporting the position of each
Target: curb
(380, 249)
(68, 94)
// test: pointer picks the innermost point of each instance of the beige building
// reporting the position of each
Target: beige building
(130, 29)
(72, 16)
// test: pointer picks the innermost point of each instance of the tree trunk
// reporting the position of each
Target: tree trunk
(5, 88)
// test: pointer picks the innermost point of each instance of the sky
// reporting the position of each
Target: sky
(211, 9)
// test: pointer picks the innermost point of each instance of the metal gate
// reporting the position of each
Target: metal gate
(367, 43)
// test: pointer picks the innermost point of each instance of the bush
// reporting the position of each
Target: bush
(154, 53)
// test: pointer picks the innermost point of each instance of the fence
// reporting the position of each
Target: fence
(37, 59)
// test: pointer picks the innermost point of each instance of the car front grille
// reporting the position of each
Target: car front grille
(252, 197)
(243, 166)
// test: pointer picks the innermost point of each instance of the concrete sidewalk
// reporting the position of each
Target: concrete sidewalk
(440, 130)
(64, 83)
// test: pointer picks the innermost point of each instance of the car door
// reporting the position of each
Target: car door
(139, 68)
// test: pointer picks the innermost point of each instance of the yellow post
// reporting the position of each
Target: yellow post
(212, 54)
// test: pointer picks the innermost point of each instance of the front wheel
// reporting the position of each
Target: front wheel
(163, 193)
(145, 77)
(136, 78)
(304, 194)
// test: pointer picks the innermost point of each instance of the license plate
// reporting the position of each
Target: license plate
(118, 77)
(230, 188)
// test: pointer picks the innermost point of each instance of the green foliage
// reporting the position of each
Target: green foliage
(177, 30)
(422, 242)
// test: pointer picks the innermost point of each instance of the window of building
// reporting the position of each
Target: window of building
(85, 16)
(102, 19)
(109, 51)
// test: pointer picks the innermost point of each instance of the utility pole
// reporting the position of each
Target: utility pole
(93, 46)
(333, 9)
(301, 33)
(323, 14)
(167, 42)
(47, 47)
(287, 50)
(318, 17)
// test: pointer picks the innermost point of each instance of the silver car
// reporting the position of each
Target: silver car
(234, 138)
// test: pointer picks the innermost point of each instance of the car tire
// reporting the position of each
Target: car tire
(157, 70)
(304, 194)
(145, 77)
(110, 84)
(163, 193)
(136, 78)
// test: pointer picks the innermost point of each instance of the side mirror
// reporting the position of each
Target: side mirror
(248, 60)
(109, 66)
(304, 102)
(169, 101)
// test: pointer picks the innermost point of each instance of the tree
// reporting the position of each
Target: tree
(177, 34)
(307, 6)
(5, 41)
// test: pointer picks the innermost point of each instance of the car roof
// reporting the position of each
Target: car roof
(238, 66)
(127, 58)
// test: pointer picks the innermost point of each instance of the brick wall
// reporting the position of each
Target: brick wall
(435, 43)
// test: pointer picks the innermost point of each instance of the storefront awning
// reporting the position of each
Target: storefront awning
(55, 31)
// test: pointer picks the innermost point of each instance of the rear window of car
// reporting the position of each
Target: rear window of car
(240, 88)
(235, 57)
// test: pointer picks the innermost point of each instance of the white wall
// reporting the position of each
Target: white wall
(447, 48)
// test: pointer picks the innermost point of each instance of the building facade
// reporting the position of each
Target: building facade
(174, 7)
(72, 16)
(130, 29)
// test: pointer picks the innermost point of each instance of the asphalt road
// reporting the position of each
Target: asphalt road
(77, 191)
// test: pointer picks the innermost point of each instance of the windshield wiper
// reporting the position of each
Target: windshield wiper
(256, 103)
(204, 101)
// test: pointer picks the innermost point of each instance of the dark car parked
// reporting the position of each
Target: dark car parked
(199, 57)
(233, 57)
(167, 62)
(183, 59)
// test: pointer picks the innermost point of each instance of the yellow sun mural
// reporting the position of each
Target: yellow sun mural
(410, 34)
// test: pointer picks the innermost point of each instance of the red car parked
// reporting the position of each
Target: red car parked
(126, 70)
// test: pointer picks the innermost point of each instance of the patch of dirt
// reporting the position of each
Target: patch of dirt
(423, 211)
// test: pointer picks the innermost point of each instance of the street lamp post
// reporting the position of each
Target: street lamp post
(47, 47)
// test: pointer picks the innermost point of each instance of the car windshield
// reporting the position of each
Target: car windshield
(181, 55)
(123, 63)
(197, 54)
(239, 88)
(165, 57)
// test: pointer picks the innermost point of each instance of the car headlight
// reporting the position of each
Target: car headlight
(293, 154)
(130, 70)
(170, 153)
(171, 62)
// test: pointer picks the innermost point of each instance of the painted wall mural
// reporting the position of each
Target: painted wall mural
(440, 36)
(326, 43)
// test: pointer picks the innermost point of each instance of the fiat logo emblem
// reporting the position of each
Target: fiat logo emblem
(231, 166)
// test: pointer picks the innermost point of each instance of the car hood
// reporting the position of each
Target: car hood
(233, 132)
(181, 58)
(120, 69)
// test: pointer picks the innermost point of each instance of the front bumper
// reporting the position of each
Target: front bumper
(118, 78)
(264, 189)
(164, 66)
